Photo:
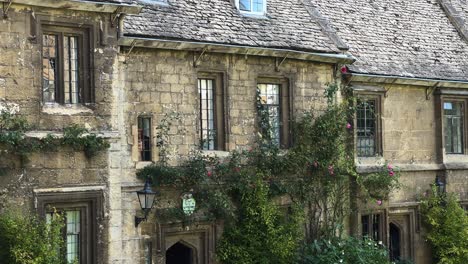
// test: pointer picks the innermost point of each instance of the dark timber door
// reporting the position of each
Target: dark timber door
(395, 243)
(179, 254)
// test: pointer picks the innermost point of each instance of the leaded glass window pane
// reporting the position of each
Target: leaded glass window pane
(144, 138)
(73, 235)
(453, 127)
(207, 113)
(49, 66)
(70, 71)
(269, 94)
(366, 128)
(245, 5)
(255, 6)
(376, 227)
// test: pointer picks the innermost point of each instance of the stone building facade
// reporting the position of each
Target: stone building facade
(141, 60)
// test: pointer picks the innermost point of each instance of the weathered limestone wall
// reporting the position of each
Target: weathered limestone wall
(21, 83)
(161, 81)
(410, 142)
(409, 126)
(21, 69)
(157, 82)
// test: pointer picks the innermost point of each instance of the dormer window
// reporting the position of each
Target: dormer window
(254, 7)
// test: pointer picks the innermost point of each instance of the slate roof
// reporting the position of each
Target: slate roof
(288, 25)
(408, 38)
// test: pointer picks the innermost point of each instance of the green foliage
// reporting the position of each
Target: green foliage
(330, 92)
(347, 251)
(29, 240)
(315, 173)
(447, 227)
(378, 185)
(260, 233)
(13, 138)
(74, 136)
(162, 134)
(319, 169)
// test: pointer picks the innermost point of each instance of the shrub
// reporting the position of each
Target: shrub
(260, 234)
(347, 251)
(29, 240)
(447, 228)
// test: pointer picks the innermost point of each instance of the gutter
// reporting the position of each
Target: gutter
(91, 6)
(374, 78)
(155, 43)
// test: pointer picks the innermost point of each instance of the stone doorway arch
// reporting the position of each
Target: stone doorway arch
(181, 253)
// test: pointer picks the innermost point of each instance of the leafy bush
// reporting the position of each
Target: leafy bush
(347, 251)
(29, 240)
(447, 226)
(260, 234)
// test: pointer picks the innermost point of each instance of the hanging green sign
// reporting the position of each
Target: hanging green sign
(188, 204)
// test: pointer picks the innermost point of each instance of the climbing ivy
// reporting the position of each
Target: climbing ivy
(315, 173)
(14, 139)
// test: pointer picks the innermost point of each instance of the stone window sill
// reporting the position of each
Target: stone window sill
(141, 164)
(66, 109)
(216, 153)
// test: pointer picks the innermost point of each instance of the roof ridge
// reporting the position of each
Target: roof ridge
(325, 25)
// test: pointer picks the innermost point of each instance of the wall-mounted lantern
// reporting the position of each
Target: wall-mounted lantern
(146, 197)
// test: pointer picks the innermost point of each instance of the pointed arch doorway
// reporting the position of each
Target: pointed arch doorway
(180, 253)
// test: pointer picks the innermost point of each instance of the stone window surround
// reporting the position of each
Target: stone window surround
(378, 158)
(441, 96)
(391, 215)
(89, 202)
(141, 140)
(285, 103)
(133, 140)
(382, 223)
(219, 99)
(39, 24)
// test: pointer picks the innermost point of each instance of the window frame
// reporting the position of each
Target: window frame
(285, 110)
(150, 149)
(381, 226)
(85, 35)
(90, 206)
(464, 126)
(378, 149)
(218, 110)
(264, 11)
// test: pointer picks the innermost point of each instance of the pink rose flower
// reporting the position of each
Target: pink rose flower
(348, 126)
(209, 173)
(390, 167)
(379, 202)
(344, 69)
(391, 173)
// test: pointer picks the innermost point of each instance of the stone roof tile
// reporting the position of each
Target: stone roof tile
(399, 37)
(287, 25)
